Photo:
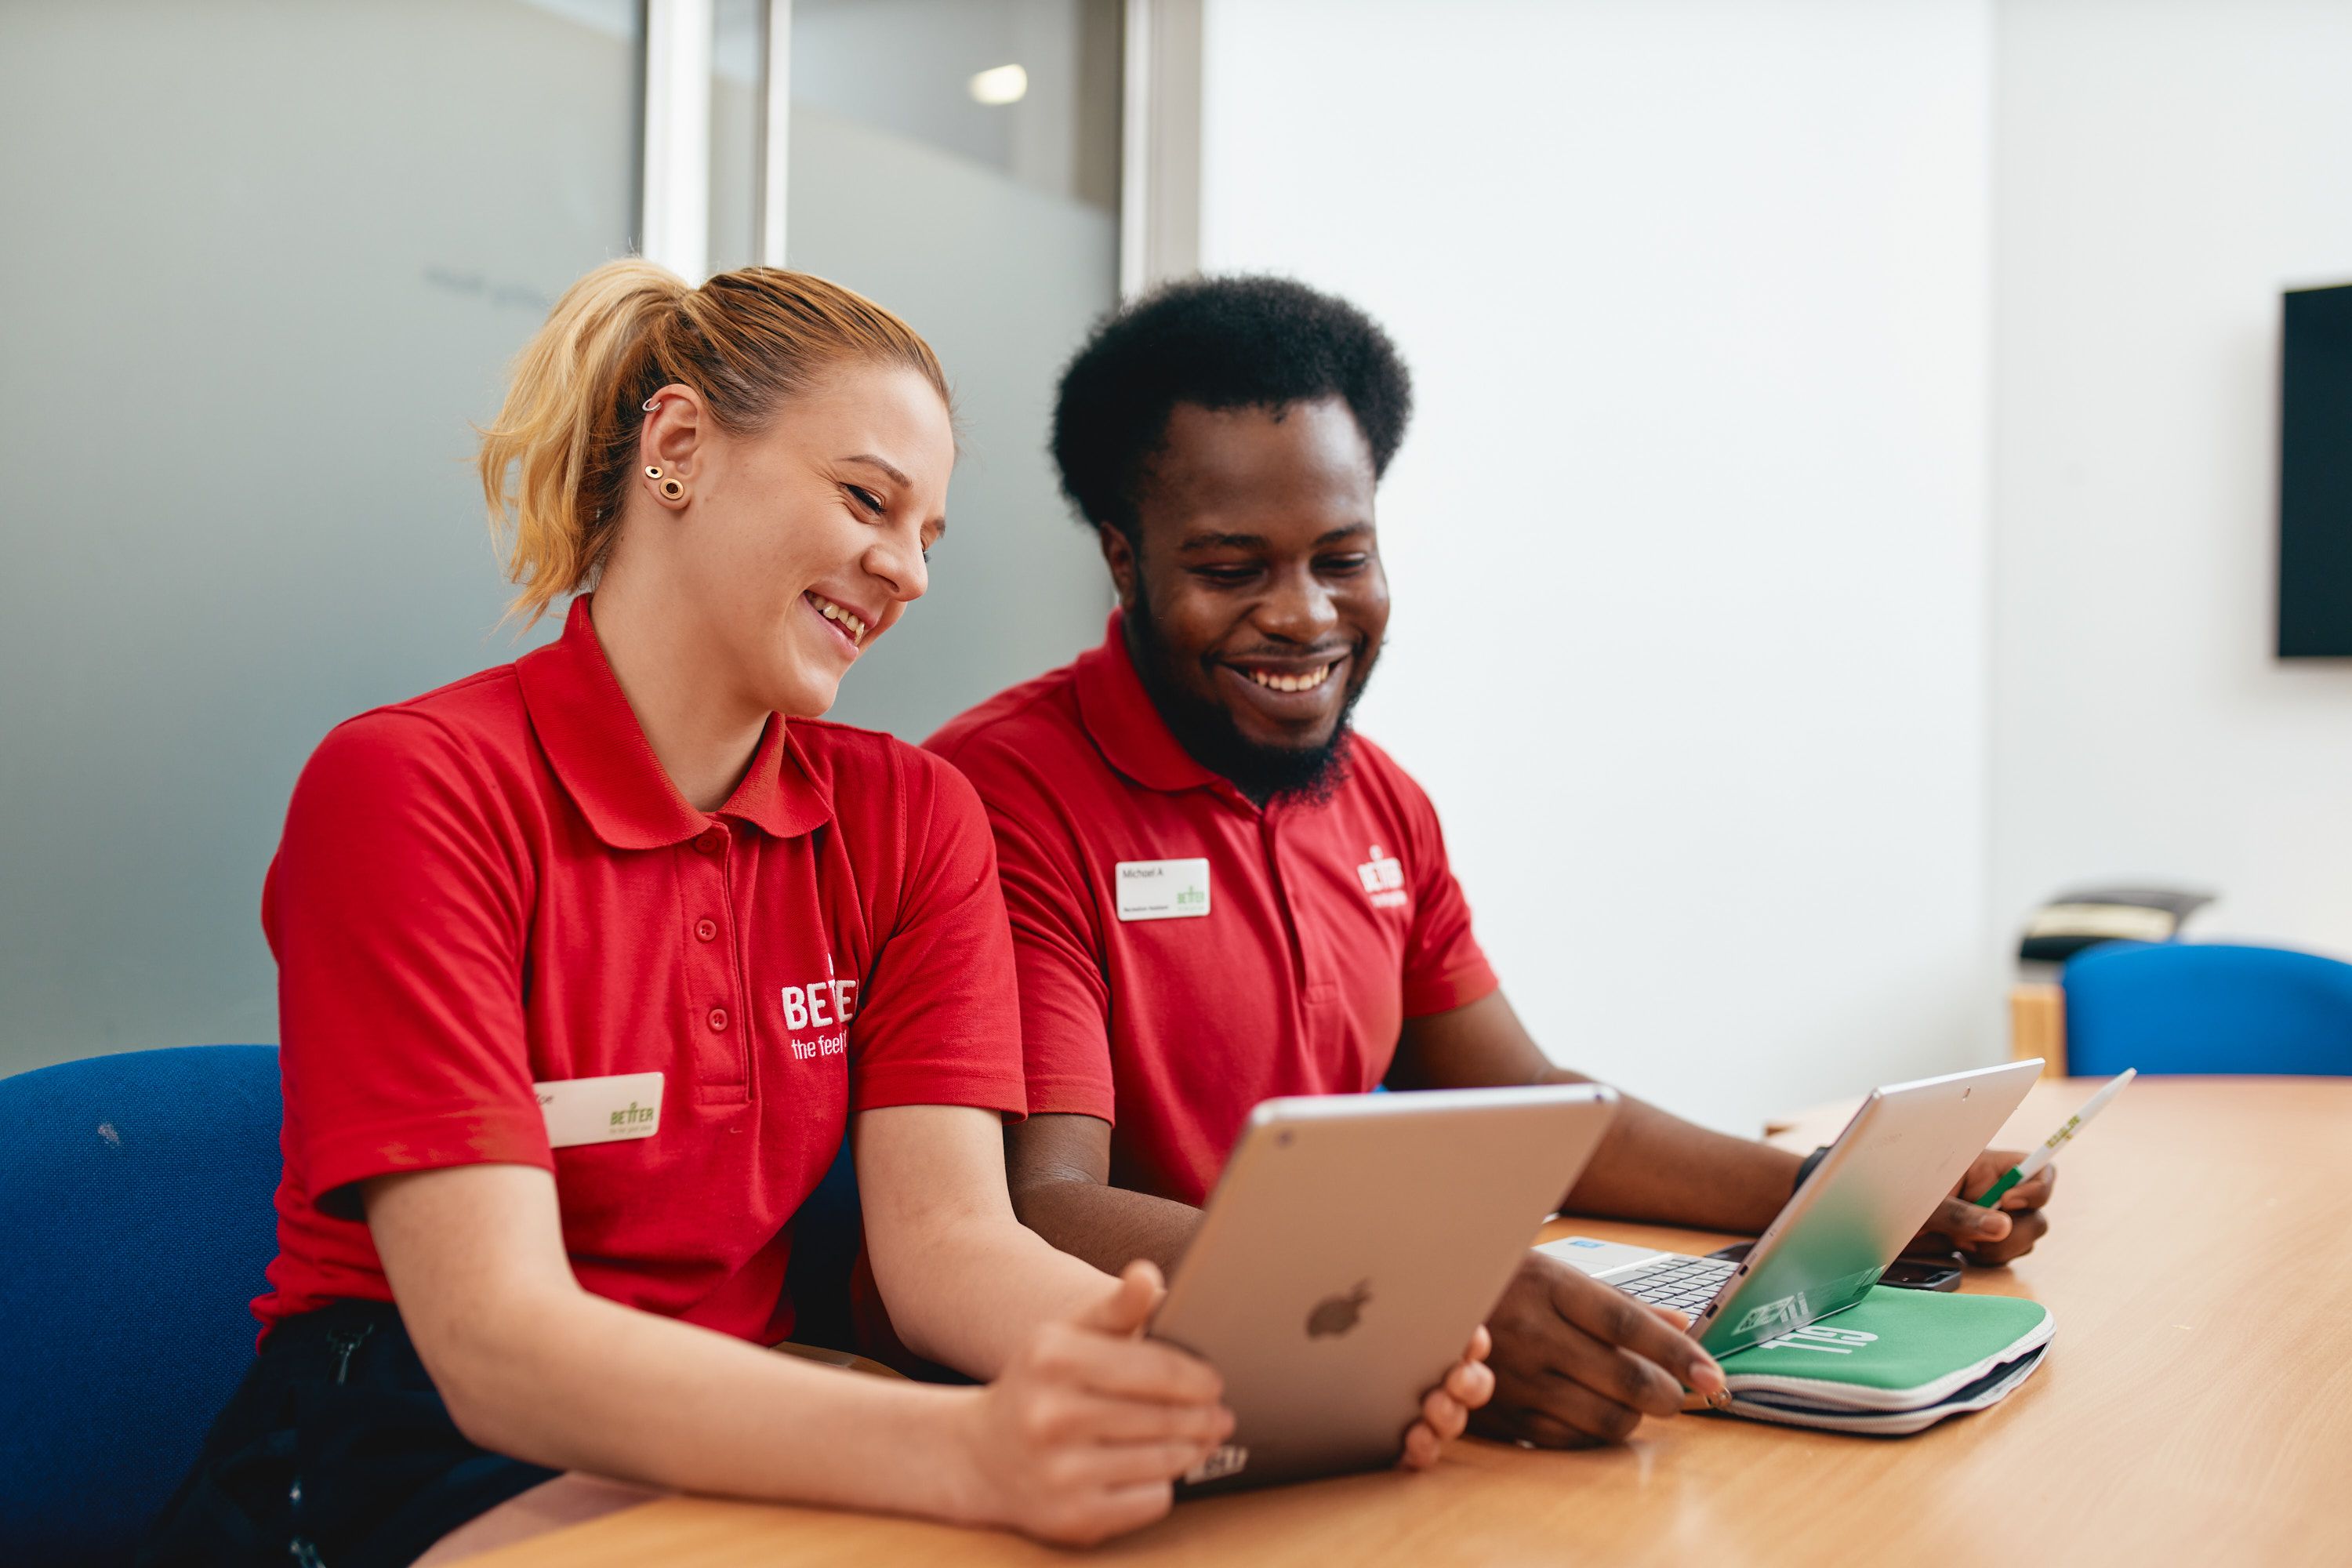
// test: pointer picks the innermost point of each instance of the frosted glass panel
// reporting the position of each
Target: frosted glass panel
(264, 262)
(994, 229)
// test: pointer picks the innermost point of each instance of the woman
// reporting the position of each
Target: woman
(586, 962)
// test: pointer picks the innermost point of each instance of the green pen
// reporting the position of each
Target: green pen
(2030, 1166)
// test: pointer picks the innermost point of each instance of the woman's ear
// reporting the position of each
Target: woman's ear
(676, 424)
(1118, 555)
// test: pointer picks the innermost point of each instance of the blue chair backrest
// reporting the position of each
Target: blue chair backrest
(136, 1219)
(2196, 1008)
(827, 1233)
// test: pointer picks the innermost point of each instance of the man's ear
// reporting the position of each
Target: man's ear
(1118, 555)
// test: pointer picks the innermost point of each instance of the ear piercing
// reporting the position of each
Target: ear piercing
(671, 488)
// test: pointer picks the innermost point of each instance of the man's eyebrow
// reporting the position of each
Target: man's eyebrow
(882, 463)
(1337, 534)
(1201, 542)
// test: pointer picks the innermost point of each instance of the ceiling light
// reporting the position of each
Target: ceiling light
(1000, 85)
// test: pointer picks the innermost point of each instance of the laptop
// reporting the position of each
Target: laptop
(1351, 1247)
(1861, 1206)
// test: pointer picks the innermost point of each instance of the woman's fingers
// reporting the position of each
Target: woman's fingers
(1471, 1382)
(1130, 1306)
(1423, 1447)
(1088, 1417)
(1124, 1368)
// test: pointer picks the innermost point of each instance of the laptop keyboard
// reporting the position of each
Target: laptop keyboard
(1685, 1284)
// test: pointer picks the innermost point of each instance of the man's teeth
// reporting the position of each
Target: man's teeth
(833, 612)
(1307, 682)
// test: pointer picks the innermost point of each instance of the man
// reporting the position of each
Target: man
(1219, 892)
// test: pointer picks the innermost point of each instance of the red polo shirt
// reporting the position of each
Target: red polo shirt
(1325, 928)
(492, 895)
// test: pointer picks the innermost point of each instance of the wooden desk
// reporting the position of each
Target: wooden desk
(2197, 1411)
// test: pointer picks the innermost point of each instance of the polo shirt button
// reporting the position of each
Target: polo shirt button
(706, 930)
(718, 1020)
(709, 840)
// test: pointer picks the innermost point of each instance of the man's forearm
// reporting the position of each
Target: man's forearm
(1107, 1226)
(1656, 1166)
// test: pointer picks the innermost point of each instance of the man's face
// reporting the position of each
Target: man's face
(1256, 601)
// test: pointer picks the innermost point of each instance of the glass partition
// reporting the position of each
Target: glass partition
(957, 161)
(264, 261)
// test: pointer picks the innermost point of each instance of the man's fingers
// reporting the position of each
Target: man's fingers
(1573, 1415)
(1619, 1376)
(1610, 1316)
(2032, 1195)
(2028, 1227)
(1447, 1416)
(1964, 1222)
(1126, 1309)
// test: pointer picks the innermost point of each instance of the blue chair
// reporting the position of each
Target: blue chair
(136, 1220)
(2195, 1007)
(828, 1235)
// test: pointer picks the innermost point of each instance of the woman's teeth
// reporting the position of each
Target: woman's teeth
(1307, 682)
(833, 612)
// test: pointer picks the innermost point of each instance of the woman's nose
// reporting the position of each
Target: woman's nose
(896, 558)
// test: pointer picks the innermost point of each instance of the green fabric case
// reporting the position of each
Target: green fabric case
(1890, 1360)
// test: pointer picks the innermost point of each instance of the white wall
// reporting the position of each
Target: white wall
(2164, 170)
(1688, 541)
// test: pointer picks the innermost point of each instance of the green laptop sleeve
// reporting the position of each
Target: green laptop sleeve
(1895, 1362)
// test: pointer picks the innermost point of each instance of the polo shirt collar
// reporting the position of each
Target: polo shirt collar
(1126, 725)
(599, 753)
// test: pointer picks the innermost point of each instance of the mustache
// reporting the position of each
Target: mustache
(1342, 650)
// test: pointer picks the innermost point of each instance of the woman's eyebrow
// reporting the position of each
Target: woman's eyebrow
(885, 465)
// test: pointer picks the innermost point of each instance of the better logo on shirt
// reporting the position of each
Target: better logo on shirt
(1383, 879)
(822, 1003)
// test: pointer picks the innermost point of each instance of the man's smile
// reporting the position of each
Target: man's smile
(1291, 689)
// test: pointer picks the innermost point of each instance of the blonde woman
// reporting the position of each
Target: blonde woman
(586, 962)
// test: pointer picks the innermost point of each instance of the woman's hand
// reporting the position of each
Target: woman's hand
(1083, 1435)
(1447, 1410)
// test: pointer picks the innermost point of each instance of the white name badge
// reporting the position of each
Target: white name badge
(1161, 889)
(600, 1110)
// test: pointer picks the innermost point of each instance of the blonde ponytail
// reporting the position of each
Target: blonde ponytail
(556, 463)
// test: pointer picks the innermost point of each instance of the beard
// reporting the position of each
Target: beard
(1269, 776)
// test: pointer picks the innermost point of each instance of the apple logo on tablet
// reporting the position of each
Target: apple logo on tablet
(1335, 1315)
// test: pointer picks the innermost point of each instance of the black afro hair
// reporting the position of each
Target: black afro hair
(1222, 343)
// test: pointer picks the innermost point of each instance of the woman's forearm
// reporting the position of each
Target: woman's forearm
(966, 1283)
(569, 1380)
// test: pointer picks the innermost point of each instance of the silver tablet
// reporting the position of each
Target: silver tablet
(1352, 1244)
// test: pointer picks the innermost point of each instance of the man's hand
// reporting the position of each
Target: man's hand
(1993, 1237)
(1578, 1363)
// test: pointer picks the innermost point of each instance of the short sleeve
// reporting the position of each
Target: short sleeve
(1058, 946)
(395, 908)
(1444, 968)
(937, 1022)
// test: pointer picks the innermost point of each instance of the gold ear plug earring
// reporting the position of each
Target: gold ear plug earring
(671, 490)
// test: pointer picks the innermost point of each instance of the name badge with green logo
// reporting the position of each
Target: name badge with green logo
(600, 1110)
(1161, 889)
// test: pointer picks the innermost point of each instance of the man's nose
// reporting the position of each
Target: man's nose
(1299, 609)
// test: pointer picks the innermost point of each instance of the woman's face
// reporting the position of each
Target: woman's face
(803, 543)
